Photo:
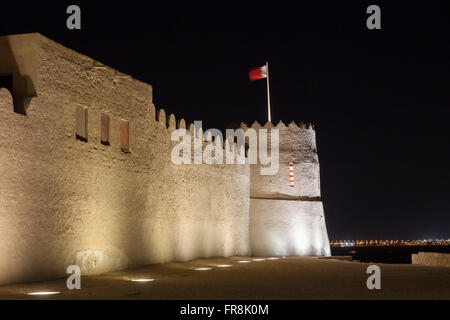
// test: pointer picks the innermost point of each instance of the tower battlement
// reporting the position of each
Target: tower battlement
(286, 211)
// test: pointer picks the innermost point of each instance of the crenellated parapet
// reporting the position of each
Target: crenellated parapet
(286, 210)
(280, 125)
(297, 146)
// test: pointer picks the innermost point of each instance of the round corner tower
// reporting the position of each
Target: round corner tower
(286, 211)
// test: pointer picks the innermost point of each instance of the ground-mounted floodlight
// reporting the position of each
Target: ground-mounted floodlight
(43, 293)
(143, 280)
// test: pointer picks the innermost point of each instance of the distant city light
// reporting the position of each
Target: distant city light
(365, 243)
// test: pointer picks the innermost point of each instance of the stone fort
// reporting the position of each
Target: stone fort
(86, 176)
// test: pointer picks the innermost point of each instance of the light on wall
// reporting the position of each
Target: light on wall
(224, 265)
(202, 269)
(244, 261)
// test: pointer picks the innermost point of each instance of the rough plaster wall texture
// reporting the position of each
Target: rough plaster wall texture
(64, 201)
(287, 220)
(297, 146)
(431, 259)
(19, 59)
(288, 227)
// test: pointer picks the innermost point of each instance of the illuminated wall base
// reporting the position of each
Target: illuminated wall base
(288, 228)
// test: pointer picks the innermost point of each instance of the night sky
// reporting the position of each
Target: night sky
(379, 99)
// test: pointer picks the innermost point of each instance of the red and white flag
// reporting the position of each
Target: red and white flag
(262, 73)
(258, 73)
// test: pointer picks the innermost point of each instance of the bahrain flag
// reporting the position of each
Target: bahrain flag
(258, 73)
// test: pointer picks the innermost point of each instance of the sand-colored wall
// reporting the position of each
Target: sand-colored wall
(286, 220)
(19, 59)
(297, 145)
(64, 201)
(288, 228)
(431, 259)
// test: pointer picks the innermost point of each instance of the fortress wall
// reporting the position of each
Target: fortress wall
(19, 60)
(431, 259)
(288, 228)
(65, 201)
(287, 220)
(298, 146)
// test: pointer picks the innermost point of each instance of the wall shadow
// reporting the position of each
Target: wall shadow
(21, 86)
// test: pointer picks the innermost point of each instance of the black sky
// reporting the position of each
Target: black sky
(379, 99)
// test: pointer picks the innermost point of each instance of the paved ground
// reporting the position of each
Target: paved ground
(289, 278)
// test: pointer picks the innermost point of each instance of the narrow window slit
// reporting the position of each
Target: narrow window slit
(82, 123)
(104, 131)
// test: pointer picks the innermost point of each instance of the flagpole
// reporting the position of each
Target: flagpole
(268, 93)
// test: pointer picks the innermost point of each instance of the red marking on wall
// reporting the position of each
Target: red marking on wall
(291, 174)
